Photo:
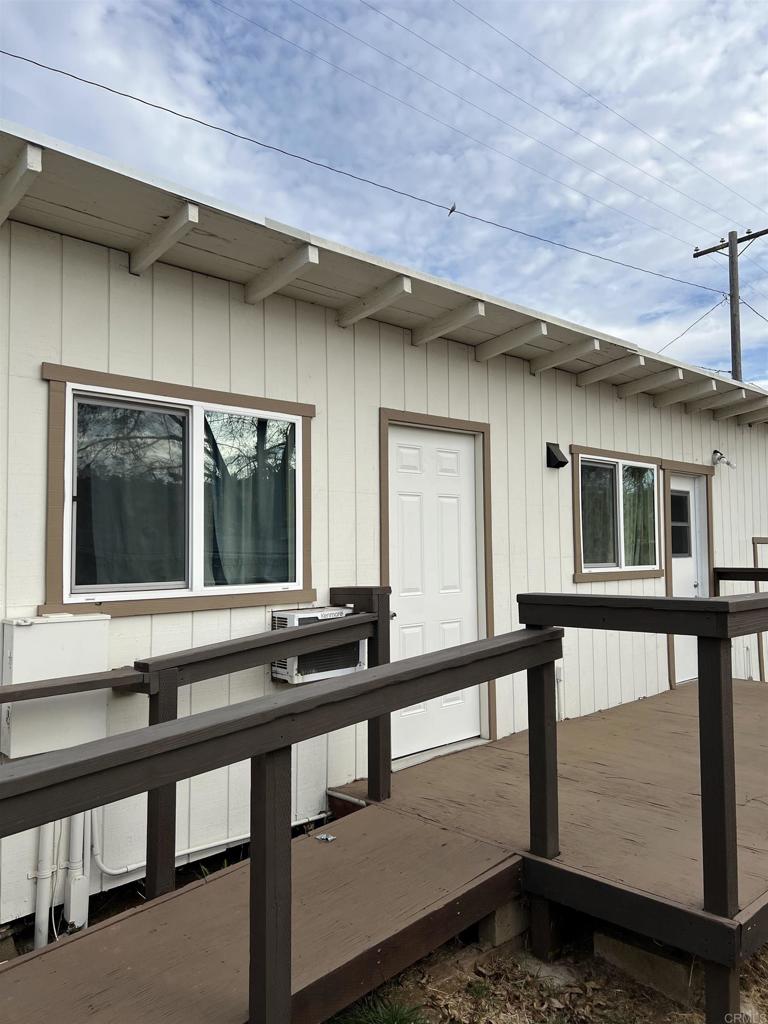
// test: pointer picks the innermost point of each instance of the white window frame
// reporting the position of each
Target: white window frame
(195, 586)
(620, 463)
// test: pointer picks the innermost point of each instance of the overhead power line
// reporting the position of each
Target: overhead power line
(606, 106)
(434, 204)
(446, 124)
(755, 311)
(690, 327)
(496, 117)
(555, 120)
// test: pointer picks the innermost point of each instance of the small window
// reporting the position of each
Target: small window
(680, 522)
(171, 498)
(618, 514)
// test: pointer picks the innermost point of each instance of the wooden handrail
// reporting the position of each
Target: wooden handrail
(722, 617)
(116, 679)
(738, 573)
(211, 660)
(59, 783)
(42, 787)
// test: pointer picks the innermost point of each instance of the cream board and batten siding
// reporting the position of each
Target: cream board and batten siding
(74, 302)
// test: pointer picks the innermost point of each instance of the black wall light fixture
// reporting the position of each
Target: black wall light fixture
(555, 457)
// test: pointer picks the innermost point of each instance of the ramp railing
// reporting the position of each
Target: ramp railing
(37, 789)
(717, 934)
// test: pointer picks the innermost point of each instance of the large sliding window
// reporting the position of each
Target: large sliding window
(618, 514)
(173, 497)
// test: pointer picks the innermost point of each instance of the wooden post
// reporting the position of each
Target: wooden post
(544, 815)
(375, 600)
(718, 812)
(161, 802)
(270, 896)
(380, 729)
(542, 756)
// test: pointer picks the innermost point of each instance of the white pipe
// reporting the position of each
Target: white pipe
(44, 876)
(128, 868)
(77, 893)
(76, 834)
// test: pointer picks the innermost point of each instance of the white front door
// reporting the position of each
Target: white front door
(433, 557)
(688, 518)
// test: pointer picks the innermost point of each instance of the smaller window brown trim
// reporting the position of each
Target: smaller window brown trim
(608, 575)
(58, 378)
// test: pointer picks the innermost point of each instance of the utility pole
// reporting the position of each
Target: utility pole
(732, 245)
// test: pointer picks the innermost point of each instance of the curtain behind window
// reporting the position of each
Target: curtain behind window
(639, 498)
(130, 514)
(598, 513)
(250, 500)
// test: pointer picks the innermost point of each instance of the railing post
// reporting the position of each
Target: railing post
(269, 991)
(376, 601)
(718, 812)
(380, 729)
(161, 802)
(544, 815)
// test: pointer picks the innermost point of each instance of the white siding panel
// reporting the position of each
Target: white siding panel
(75, 302)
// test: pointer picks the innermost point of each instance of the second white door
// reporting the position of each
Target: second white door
(433, 557)
(688, 519)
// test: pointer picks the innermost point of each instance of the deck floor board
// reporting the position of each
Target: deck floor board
(629, 793)
(629, 812)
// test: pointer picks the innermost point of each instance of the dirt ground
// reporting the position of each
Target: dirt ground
(466, 985)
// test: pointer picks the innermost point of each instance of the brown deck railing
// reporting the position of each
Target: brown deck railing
(36, 789)
(160, 678)
(715, 622)
(745, 574)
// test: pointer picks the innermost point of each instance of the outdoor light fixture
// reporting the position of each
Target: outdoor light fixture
(718, 459)
(555, 457)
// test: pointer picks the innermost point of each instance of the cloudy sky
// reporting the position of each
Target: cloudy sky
(497, 132)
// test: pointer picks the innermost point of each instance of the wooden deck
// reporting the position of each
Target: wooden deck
(403, 877)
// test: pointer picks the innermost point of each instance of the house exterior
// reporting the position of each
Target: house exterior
(208, 417)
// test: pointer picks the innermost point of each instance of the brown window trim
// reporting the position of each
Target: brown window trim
(58, 378)
(580, 575)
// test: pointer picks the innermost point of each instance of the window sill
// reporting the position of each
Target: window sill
(164, 605)
(617, 574)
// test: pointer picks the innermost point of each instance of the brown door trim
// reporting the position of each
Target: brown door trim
(481, 430)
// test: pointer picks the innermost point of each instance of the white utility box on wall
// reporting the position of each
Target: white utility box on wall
(46, 647)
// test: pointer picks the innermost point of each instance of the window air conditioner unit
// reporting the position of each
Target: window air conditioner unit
(309, 668)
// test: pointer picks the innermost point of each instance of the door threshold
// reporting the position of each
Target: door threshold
(409, 760)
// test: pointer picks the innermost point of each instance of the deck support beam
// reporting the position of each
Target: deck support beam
(161, 802)
(718, 814)
(269, 989)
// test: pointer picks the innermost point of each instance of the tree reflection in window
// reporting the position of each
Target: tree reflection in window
(130, 510)
(250, 499)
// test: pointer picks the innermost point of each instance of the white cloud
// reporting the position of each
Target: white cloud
(667, 66)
